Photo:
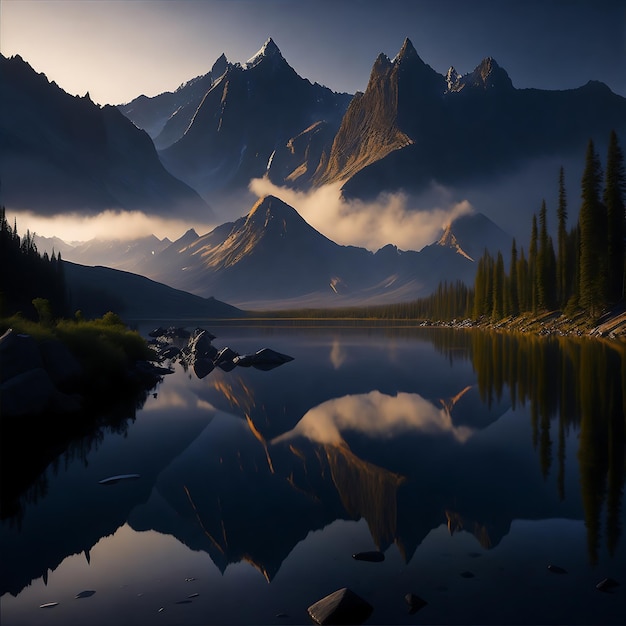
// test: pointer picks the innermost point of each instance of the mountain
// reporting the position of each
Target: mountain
(412, 126)
(96, 290)
(167, 116)
(249, 112)
(272, 258)
(60, 153)
(120, 254)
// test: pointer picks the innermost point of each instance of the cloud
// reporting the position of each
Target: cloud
(392, 218)
(376, 415)
(106, 225)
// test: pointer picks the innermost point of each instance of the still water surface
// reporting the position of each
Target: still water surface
(472, 460)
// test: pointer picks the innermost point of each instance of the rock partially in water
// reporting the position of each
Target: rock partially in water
(225, 359)
(85, 594)
(415, 602)
(340, 607)
(606, 584)
(263, 359)
(112, 480)
(555, 569)
(373, 556)
(203, 367)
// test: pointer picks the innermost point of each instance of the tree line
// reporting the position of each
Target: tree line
(585, 270)
(28, 276)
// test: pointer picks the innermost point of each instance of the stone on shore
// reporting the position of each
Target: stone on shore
(340, 607)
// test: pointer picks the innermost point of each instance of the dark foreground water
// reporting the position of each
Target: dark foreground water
(472, 460)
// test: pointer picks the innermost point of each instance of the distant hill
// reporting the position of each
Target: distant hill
(96, 290)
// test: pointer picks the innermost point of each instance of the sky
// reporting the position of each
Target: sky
(119, 49)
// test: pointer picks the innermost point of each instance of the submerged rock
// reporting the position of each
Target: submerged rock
(340, 607)
(607, 584)
(415, 602)
(373, 556)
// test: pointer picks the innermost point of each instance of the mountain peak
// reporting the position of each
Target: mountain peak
(407, 51)
(489, 74)
(219, 67)
(269, 51)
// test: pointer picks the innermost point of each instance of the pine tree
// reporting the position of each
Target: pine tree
(497, 311)
(615, 186)
(513, 295)
(532, 267)
(563, 264)
(593, 236)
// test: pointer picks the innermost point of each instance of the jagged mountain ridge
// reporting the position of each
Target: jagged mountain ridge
(272, 257)
(167, 116)
(60, 153)
(250, 112)
(457, 128)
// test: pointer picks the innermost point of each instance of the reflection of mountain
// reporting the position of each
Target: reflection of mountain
(366, 490)
(214, 482)
(76, 511)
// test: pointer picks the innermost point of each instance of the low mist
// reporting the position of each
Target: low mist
(392, 218)
(123, 225)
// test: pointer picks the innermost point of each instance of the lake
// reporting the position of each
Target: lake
(472, 460)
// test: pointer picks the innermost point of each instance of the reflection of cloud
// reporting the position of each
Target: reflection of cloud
(337, 354)
(376, 415)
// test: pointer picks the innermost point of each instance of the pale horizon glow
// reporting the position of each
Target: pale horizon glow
(108, 225)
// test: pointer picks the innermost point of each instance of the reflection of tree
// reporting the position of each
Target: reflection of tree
(579, 384)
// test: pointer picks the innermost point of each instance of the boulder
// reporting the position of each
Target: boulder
(225, 359)
(415, 602)
(340, 607)
(28, 393)
(263, 359)
(203, 367)
(18, 354)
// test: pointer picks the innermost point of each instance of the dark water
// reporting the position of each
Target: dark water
(472, 460)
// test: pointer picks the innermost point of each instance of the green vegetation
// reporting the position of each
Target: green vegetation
(105, 347)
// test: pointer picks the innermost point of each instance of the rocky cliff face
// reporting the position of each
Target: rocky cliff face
(60, 153)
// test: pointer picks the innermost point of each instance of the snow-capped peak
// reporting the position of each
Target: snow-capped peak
(269, 50)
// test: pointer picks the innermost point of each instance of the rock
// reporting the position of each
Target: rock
(607, 584)
(225, 359)
(373, 557)
(340, 607)
(113, 480)
(415, 602)
(555, 569)
(18, 354)
(169, 352)
(62, 366)
(263, 359)
(85, 594)
(157, 332)
(29, 393)
(203, 367)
